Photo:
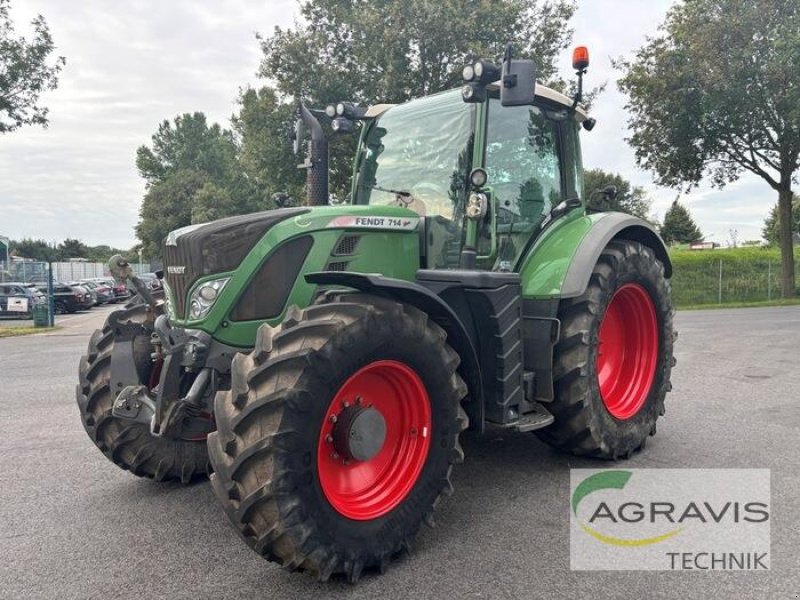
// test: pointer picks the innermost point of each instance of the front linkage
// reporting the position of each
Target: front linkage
(175, 401)
(146, 388)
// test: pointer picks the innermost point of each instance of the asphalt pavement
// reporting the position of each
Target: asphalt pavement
(73, 525)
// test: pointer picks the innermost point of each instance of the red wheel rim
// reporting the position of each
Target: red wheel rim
(368, 489)
(628, 351)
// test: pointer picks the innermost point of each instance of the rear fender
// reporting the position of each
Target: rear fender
(561, 262)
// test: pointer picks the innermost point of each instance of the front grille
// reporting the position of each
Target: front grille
(216, 247)
(340, 265)
(347, 245)
(179, 280)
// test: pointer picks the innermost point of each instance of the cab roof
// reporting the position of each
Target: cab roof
(542, 92)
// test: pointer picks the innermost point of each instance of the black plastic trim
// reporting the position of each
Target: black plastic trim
(540, 333)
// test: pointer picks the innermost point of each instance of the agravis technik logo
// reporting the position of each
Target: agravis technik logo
(672, 519)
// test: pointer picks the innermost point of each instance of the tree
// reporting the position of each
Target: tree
(188, 144)
(33, 249)
(630, 199)
(717, 94)
(71, 248)
(167, 205)
(25, 72)
(199, 164)
(393, 51)
(678, 226)
(771, 229)
(263, 125)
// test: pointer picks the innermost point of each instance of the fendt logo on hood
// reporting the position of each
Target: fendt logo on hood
(375, 222)
(716, 519)
(176, 269)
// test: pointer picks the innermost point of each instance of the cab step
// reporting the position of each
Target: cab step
(538, 418)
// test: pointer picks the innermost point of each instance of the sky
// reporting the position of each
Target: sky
(131, 65)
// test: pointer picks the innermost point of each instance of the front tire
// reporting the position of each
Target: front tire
(302, 482)
(128, 444)
(613, 361)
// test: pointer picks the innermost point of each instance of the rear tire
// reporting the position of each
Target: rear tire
(277, 473)
(608, 397)
(127, 444)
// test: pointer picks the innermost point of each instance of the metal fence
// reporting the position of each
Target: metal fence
(723, 281)
(36, 272)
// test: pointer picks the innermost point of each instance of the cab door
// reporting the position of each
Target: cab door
(523, 162)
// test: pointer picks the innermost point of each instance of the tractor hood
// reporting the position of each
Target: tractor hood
(260, 259)
(217, 247)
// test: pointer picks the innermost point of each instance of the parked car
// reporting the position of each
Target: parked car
(121, 291)
(70, 299)
(11, 291)
(101, 292)
(86, 289)
(152, 280)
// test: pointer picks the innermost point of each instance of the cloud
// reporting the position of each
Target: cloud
(129, 66)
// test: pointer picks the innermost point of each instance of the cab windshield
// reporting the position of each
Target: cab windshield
(418, 155)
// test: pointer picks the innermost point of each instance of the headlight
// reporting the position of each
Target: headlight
(204, 296)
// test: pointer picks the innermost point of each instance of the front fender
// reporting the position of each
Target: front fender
(560, 263)
(441, 313)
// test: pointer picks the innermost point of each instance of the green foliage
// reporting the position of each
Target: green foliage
(167, 205)
(748, 275)
(678, 226)
(396, 50)
(716, 94)
(189, 144)
(25, 72)
(630, 199)
(771, 229)
(393, 51)
(263, 125)
(35, 249)
(72, 248)
(194, 173)
(365, 52)
(711, 94)
(69, 248)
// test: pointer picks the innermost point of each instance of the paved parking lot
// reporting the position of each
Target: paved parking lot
(75, 526)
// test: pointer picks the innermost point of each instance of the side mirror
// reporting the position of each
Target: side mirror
(518, 81)
(299, 134)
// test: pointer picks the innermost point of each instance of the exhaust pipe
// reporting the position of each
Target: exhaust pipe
(317, 160)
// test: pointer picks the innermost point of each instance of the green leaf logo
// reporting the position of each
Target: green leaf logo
(611, 480)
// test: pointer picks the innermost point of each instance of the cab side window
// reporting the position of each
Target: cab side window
(522, 161)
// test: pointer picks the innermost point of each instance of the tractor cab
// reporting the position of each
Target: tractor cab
(438, 155)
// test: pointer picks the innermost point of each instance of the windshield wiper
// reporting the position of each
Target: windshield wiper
(400, 193)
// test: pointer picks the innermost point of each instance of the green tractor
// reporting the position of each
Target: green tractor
(319, 363)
